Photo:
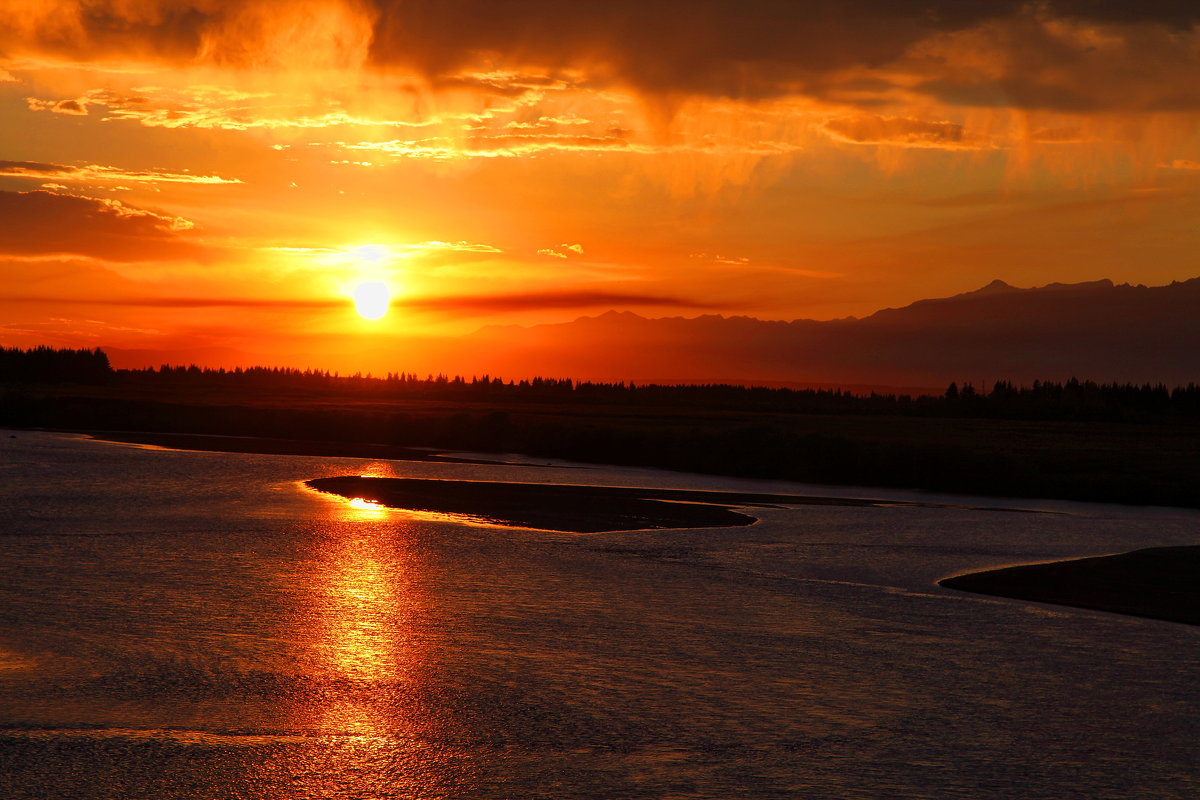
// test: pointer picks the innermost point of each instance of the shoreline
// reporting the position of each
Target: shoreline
(272, 446)
(1155, 583)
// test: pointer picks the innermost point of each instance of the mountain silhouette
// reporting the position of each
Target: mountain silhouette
(1095, 330)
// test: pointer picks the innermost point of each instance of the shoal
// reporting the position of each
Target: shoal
(1159, 582)
(565, 507)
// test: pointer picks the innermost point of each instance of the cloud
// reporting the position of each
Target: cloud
(224, 108)
(1081, 63)
(903, 132)
(455, 247)
(1077, 56)
(539, 301)
(179, 302)
(573, 249)
(94, 173)
(468, 304)
(75, 107)
(498, 146)
(41, 222)
(725, 48)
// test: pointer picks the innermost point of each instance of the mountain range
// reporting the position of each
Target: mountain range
(1095, 330)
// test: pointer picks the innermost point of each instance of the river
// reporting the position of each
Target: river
(179, 624)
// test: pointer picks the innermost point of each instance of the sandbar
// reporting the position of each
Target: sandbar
(1158, 583)
(565, 507)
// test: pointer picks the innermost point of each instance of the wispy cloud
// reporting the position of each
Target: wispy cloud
(562, 251)
(95, 173)
(220, 108)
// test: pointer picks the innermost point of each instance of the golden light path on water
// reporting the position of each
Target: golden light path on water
(363, 623)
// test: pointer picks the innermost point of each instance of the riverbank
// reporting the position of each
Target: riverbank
(1090, 461)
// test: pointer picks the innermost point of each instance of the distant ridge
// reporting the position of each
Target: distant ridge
(1095, 329)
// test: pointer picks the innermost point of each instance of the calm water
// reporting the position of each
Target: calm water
(198, 625)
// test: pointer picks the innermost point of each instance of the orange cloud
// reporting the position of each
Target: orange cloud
(1068, 55)
(903, 132)
(40, 222)
(573, 249)
(94, 173)
(61, 107)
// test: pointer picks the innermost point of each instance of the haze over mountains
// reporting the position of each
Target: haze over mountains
(1095, 330)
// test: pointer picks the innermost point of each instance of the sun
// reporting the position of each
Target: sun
(371, 299)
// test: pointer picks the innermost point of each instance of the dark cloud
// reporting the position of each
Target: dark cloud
(468, 304)
(177, 302)
(1175, 13)
(535, 301)
(728, 48)
(901, 131)
(733, 48)
(36, 223)
(1029, 64)
(33, 169)
(736, 48)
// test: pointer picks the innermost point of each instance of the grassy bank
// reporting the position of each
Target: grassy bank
(1136, 463)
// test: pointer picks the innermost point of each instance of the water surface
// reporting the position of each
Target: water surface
(199, 625)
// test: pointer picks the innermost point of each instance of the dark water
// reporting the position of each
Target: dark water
(198, 625)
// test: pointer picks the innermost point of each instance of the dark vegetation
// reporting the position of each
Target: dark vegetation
(1073, 440)
(51, 365)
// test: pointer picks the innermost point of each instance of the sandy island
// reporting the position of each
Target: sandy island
(566, 507)
(1158, 582)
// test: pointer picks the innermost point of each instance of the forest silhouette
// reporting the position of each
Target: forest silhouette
(1074, 439)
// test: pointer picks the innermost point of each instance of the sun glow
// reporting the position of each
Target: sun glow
(371, 299)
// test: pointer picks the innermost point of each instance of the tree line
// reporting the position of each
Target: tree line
(1072, 399)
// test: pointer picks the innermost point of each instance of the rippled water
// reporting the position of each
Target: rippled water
(199, 625)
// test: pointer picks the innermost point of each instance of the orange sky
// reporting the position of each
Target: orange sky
(211, 179)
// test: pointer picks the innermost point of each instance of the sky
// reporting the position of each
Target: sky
(215, 180)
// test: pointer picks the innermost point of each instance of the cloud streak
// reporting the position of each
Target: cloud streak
(95, 173)
(537, 301)
(471, 304)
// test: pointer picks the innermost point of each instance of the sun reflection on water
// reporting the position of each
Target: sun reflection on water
(363, 624)
(367, 509)
(366, 609)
